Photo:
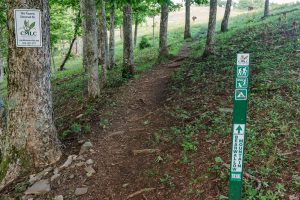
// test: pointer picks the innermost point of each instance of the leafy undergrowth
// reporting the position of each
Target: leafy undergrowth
(201, 104)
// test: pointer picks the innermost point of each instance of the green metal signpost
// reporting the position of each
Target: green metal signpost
(239, 125)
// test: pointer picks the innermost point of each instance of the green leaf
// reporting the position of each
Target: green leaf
(26, 23)
(32, 25)
(218, 160)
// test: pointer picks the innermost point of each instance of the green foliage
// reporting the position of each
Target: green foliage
(244, 4)
(144, 43)
(104, 123)
(62, 24)
(167, 180)
(76, 128)
(3, 30)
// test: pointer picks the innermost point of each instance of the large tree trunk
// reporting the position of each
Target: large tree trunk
(128, 65)
(76, 29)
(30, 141)
(112, 61)
(209, 48)
(163, 33)
(187, 30)
(224, 25)
(90, 46)
(103, 43)
(136, 24)
(267, 8)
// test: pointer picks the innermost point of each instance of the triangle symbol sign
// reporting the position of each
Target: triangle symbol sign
(241, 94)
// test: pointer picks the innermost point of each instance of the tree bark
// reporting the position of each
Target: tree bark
(112, 61)
(103, 42)
(83, 27)
(90, 46)
(30, 141)
(1, 54)
(121, 32)
(136, 24)
(76, 29)
(153, 30)
(267, 8)
(209, 48)
(128, 65)
(163, 33)
(224, 24)
(187, 30)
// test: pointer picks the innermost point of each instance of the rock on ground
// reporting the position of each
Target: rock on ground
(85, 147)
(60, 197)
(40, 187)
(80, 191)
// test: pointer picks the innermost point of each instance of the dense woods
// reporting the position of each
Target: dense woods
(92, 74)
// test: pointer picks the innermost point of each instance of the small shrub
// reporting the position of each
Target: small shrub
(144, 43)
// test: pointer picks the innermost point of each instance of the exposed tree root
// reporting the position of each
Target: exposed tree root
(289, 153)
(249, 176)
(139, 192)
(145, 151)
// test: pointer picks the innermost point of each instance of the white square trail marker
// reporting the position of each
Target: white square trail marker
(242, 71)
(243, 59)
(241, 83)
(239, 129)
(241, 94)
(28, 28)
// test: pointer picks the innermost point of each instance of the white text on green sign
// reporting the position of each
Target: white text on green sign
(237, 157)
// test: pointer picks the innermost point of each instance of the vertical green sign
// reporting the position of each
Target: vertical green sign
(241, 96)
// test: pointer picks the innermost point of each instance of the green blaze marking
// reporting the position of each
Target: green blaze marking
(241, 83)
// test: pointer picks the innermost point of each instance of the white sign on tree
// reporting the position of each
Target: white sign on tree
(28, 28)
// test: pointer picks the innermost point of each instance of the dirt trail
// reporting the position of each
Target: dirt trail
(138, 114)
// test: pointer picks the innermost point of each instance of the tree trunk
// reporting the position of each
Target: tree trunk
(224, 24)
(153, 30)
(121, 32)
(83, 27)
(209, 48)
(267, 8)
(128, 66)
(136, 24)
(112, 61)
(30, 141)
(187, 31)
(103, 43)
(90, 46)
(76, 28)
(163, 33)
(1, 54)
